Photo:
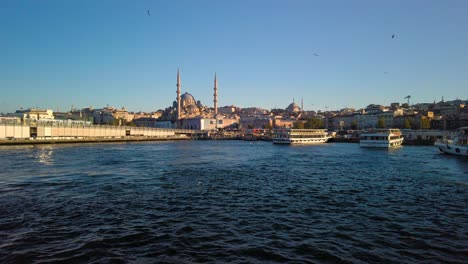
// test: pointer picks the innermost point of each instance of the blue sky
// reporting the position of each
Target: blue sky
(55, 54)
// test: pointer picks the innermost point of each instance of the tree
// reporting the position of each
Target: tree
(314, 123)
(131, 123)
(354, 125)
(250, 126)
(116, 122)
(425, 123)
(298, 125)
(267, 126)
(381, 123)
(408, 123)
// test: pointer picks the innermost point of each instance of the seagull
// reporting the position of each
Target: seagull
(393, 36)
(148, 12)
(315, 54)
(385, 72)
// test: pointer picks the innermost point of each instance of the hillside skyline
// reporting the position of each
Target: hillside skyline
(76, 108)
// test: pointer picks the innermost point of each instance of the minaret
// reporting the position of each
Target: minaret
(302, 105)
(178, 95)
(215, 99)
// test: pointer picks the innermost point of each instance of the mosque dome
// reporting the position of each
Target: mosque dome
(293, 108)
(187, 99)
(192, 109)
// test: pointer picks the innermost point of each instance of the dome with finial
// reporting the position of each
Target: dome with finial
(293, 108)
(187, 99)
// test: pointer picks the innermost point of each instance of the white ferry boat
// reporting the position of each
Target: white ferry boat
(299, 136)
(457, 146)
(381, 138)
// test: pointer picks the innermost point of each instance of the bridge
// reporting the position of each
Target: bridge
(59, 130)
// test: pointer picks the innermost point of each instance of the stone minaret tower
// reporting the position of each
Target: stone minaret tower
(215, 99)
(178, 95)
(302, 105)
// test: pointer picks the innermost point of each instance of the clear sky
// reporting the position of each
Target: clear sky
(55, 54)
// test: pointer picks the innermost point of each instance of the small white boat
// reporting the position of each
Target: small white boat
(381, 138)
(457, 146)
(299, 136)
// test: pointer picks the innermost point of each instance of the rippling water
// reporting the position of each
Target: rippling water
(231, 201)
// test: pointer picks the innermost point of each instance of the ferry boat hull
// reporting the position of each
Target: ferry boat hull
(383, 144)
(450, 148)
(381, 138)
(300, 136)
(300, 141)
(457, 146)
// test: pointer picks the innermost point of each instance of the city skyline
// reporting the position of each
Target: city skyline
(55, 55)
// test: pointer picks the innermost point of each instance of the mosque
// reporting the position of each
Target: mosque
(293, 108)
(189, 113)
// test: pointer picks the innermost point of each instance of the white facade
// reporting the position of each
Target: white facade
(34, 114)
(367, 121)
(201, 123)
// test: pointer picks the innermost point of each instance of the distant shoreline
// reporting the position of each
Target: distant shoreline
(15, 142)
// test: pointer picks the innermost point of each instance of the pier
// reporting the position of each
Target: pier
(47, 132)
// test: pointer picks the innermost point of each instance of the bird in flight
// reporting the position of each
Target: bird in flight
(393, 36)
(385, 72)
(315, 54)
(148, 12)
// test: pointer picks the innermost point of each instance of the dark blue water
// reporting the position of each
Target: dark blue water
(239, 202)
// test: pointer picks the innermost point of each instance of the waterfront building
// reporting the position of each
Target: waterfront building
(284, 122)
(347, 111)
(123, 114)
(140, 114)
(394, 106)
(463, 114)
(112, 116)
(389, 116)
(308, 114)
(341, 122)
(367, 121)
(103, 116)
(253, 111)
(447, 109)
(34, 114)
(423, 106)
(85, 114)
(414, 121)
(203, 123)
(255, 122)
(375, 109)
(228, 110)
